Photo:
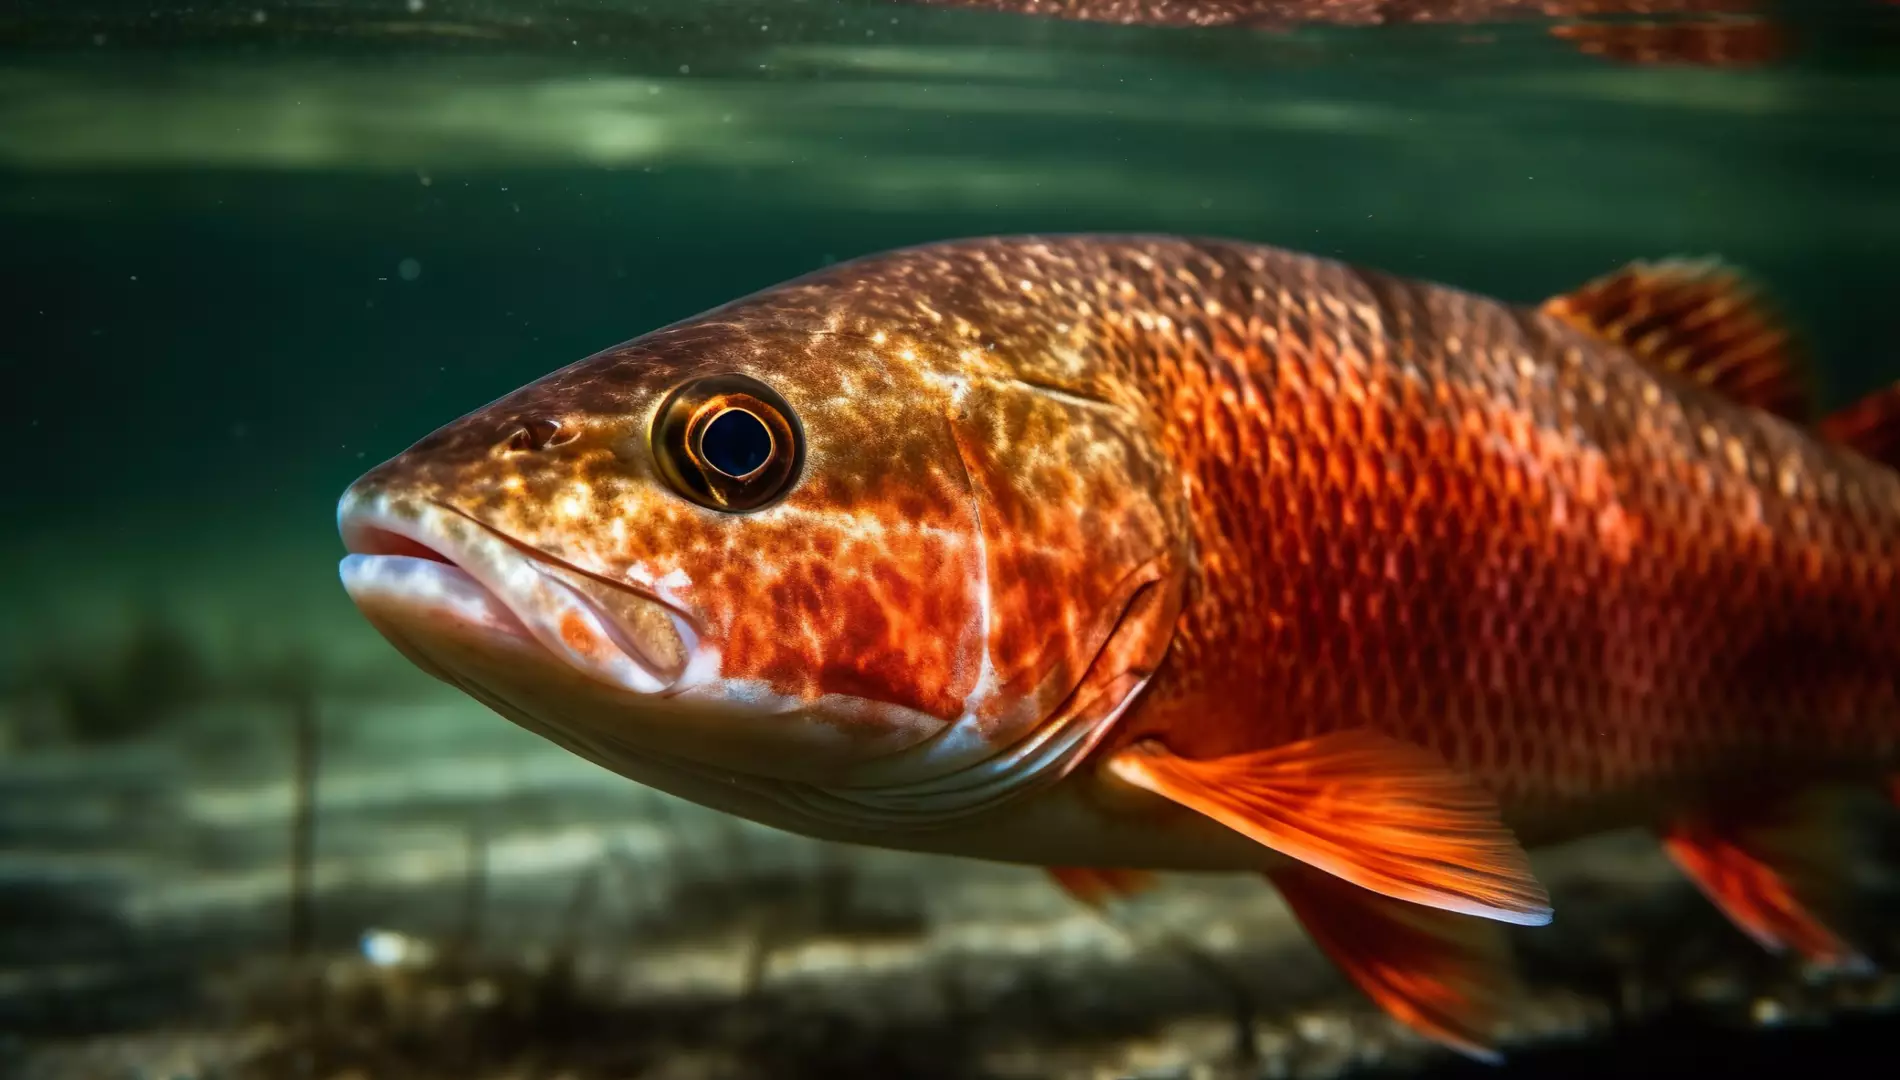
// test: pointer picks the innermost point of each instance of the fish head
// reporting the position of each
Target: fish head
(763, 562)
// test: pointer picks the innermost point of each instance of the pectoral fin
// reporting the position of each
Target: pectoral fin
(1373, 810)
(1778, 869)
(1446, 976)
(1094, 886)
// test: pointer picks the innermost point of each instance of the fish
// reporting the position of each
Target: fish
(1707, 33)
(1119, 555)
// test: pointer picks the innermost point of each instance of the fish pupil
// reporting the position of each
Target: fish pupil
(736, 443)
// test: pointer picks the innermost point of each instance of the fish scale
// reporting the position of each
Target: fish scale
(1483, 560)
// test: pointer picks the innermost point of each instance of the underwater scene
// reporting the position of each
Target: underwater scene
(1083, 538)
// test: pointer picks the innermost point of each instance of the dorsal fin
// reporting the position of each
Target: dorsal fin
(1698, 320)
(1870, 426)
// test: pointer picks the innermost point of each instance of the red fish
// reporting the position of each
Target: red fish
(1715, 33)
(1117, 554)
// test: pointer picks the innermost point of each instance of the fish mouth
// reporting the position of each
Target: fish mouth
(422, 569)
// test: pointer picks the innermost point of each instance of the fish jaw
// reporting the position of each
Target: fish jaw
(614, 672)
(423, 570)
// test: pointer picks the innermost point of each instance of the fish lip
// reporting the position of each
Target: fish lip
(534, 554)
(364, 518)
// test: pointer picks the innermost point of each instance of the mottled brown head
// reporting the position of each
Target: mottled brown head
(858, 534)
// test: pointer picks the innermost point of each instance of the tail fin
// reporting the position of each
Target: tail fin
(1870, 426)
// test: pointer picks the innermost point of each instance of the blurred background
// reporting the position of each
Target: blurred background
(248, 250)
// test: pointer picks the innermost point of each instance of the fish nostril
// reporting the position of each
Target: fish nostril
(531, 433)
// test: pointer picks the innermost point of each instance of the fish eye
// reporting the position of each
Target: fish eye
(736, 443)
(727, 442)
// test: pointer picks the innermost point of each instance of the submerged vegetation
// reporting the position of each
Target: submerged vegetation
(117, 691)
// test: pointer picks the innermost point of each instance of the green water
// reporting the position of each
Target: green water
(205, 231)
(249, 250)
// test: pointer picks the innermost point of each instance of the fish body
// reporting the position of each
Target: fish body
(1125, 553)
(1486, 531)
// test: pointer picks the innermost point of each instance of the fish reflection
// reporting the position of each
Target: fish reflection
(1720, 33)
